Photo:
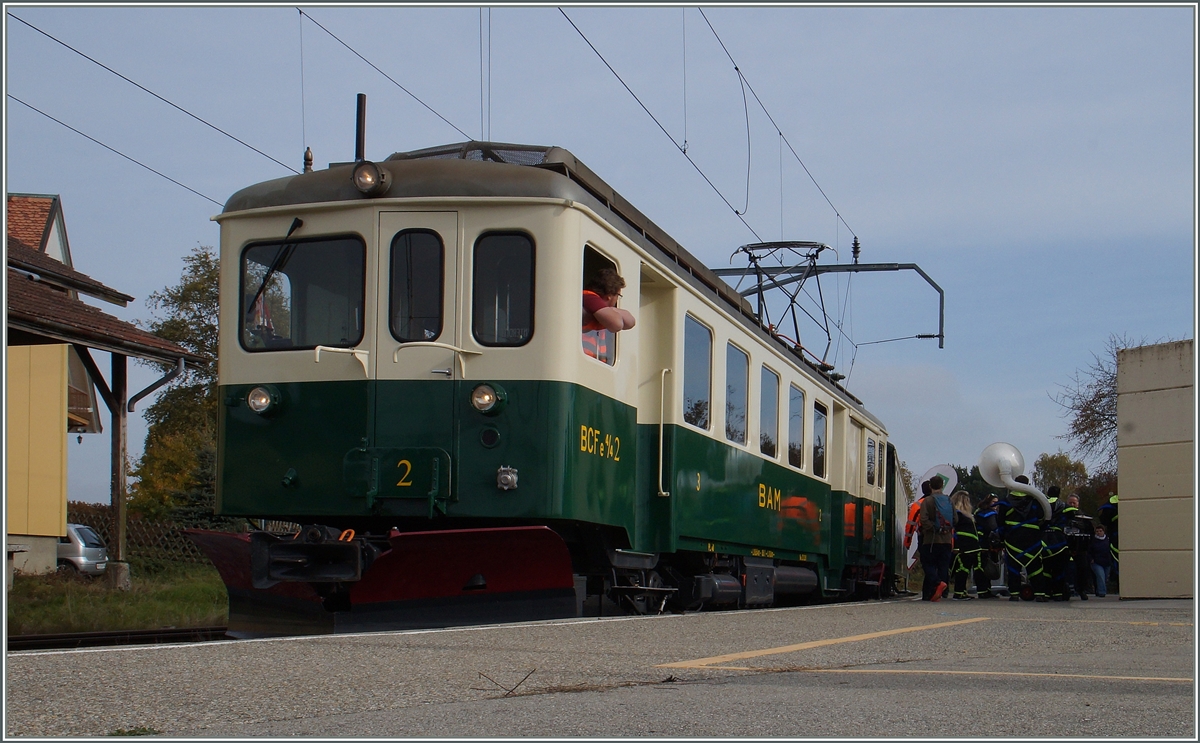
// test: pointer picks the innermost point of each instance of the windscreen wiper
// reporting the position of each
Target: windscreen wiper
(280, 260)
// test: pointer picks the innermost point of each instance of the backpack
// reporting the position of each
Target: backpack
(943, 515)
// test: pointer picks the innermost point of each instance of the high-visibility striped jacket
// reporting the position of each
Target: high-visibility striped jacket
(913, 525)
(966, 539)
(1019, 516)
(1054, 535)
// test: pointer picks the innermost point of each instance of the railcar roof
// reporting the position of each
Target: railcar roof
(512, 170)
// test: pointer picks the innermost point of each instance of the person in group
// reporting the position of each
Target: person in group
(1020, 516)
(990, 543)
(967, 551)
(1055, 558)
(913, 525)
(937, 543)
(1079, 532)
(1107, 515)
(600, 295)
(912, 531)
(1102, 560)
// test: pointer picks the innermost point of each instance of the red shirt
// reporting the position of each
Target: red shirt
(591, 303)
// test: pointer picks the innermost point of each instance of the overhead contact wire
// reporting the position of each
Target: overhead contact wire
(110, 149)
(773, 123)
(303, 122)
(685, 139)
(151, 92)
(381, 72)
(887, 340)
(660, 126)
(746, 108)
(482, 105)
(489, 76)
(784, 139)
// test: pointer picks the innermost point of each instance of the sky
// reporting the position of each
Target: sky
(1039, 163)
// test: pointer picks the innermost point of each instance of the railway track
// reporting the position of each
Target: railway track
(68, 640)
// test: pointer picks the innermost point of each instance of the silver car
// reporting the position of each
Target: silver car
(82, 551)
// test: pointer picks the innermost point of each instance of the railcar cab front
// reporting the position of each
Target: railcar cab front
(417, 361)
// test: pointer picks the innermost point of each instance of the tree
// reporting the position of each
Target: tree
(972, 481)
(1059, 469)
(174, 470)
(1096, 491)
(906, 476)
(1089, 404)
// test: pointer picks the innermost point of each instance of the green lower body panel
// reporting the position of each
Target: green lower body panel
(380, 453)
(722, 495)
(390, 450)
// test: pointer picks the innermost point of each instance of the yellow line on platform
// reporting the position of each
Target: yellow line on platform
(959, 673)
(705, 662)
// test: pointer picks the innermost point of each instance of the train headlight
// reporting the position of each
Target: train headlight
(370, 179)
(488, 399)
(261, 399)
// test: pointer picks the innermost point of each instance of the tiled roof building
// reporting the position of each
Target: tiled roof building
(31, 220)
(52, 380)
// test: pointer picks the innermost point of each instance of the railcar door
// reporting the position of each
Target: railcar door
(408, 468)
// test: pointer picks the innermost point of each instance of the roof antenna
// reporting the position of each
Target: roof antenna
(308, 159)
(360, 140)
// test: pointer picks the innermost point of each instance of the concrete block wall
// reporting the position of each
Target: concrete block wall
(1156, 423)
(40, 555)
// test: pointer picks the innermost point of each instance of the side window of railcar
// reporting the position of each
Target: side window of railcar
(820, 418)
(795, 426)
(870, 461)
(697, 372)
(302, 294)
(598, 342)
(768, 413)
(415, 311)
(737, 383)
(502, 299)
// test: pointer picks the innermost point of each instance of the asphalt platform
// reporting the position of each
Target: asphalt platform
(894, 669)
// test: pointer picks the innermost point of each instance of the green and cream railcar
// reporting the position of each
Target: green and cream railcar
(401, 352)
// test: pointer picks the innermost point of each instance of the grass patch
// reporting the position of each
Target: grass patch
(163, 595)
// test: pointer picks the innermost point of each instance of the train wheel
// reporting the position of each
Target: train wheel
(645, 592)
(658, 600)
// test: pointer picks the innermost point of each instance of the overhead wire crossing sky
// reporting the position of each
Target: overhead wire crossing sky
(151, 92)
(116, 151)
(381, 72)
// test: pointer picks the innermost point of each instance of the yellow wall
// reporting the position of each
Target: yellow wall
(36, 490)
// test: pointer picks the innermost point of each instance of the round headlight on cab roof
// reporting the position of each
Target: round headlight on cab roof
(260, 400)
(370, 179)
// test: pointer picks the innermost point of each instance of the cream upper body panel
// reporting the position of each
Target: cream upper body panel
(553, 351)
(559, 229)
(238, 365)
